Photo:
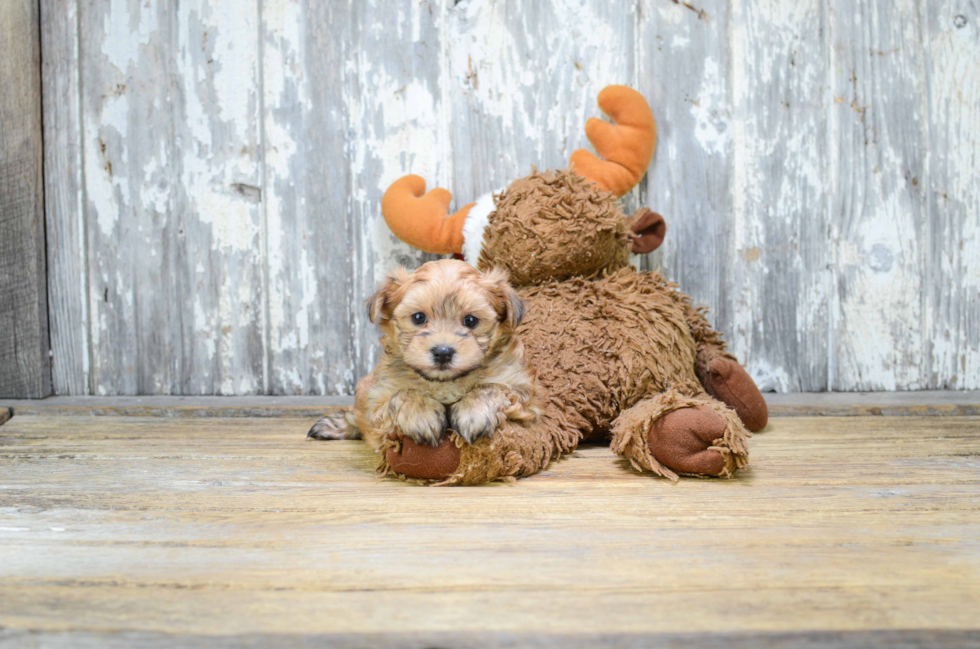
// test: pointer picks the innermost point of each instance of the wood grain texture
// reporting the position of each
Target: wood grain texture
(522, 90)
(879, 333)
(64, 198)
(951, 39)
(954, 639)
(219, 256)
(780, 290)
(225, 527)
(310, 300)
(684, 71)
(129, 162)
(171, 147)
(816, 166)
(24, 367)
(808, 404)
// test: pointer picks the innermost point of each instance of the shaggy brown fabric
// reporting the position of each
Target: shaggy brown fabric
(552, 226)
(709, 342)
(600, 345)
(633, 428)
(515, 450)
(617, 352)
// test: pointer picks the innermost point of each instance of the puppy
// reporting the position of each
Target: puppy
(450, 359)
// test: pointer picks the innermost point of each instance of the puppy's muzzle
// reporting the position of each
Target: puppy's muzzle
(442, 355)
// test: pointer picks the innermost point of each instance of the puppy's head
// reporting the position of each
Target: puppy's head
(446, 318)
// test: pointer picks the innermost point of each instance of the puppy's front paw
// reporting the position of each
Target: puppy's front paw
(424, 427)
(478, 414)
(472, 424)
(419, 418)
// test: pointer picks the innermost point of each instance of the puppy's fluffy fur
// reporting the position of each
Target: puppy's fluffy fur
(450, 359)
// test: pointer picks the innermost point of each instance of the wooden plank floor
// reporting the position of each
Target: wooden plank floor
(153, 530)
(802, 404)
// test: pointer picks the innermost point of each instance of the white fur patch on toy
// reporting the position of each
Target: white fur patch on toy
(474, 225)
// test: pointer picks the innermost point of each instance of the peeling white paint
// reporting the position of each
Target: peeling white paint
(210, 168)
(710, 114)
(106, 176)
(284, 76)
(769, 129)
(952, 61)
(880, 335)
(769, 378)
(532, 88)
(397, 131)
(123, 33)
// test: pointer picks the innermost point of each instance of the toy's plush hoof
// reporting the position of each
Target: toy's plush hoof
(728, 382)
(424, 462)
(682, 440)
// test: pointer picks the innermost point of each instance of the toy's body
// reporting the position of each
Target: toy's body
(619, 353)
(595, 334)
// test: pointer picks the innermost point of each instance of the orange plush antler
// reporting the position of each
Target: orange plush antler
(422, 220)
(626, 146)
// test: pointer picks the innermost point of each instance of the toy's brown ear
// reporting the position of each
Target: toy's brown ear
(650, 230)
(383, 302)
(508, 303)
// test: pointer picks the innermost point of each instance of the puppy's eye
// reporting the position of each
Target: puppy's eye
(470, 321)
(418, 319)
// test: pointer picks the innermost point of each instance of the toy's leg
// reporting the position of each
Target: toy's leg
(673, 433)
(514, 450)
(722, 376)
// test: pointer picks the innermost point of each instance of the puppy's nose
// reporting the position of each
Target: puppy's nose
(443, 354)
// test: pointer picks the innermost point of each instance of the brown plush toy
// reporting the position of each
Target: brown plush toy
(620, 353)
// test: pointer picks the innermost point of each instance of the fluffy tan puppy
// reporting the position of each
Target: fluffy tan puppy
(450, 359)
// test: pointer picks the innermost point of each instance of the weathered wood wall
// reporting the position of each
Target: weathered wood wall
(214, 171)
(24, 367)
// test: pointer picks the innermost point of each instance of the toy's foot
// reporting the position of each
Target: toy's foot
(728, 382)
(421, 461)
(674, 432)
(682, 440)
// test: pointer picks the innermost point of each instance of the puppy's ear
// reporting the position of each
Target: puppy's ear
(383, 302)
(507, 302)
